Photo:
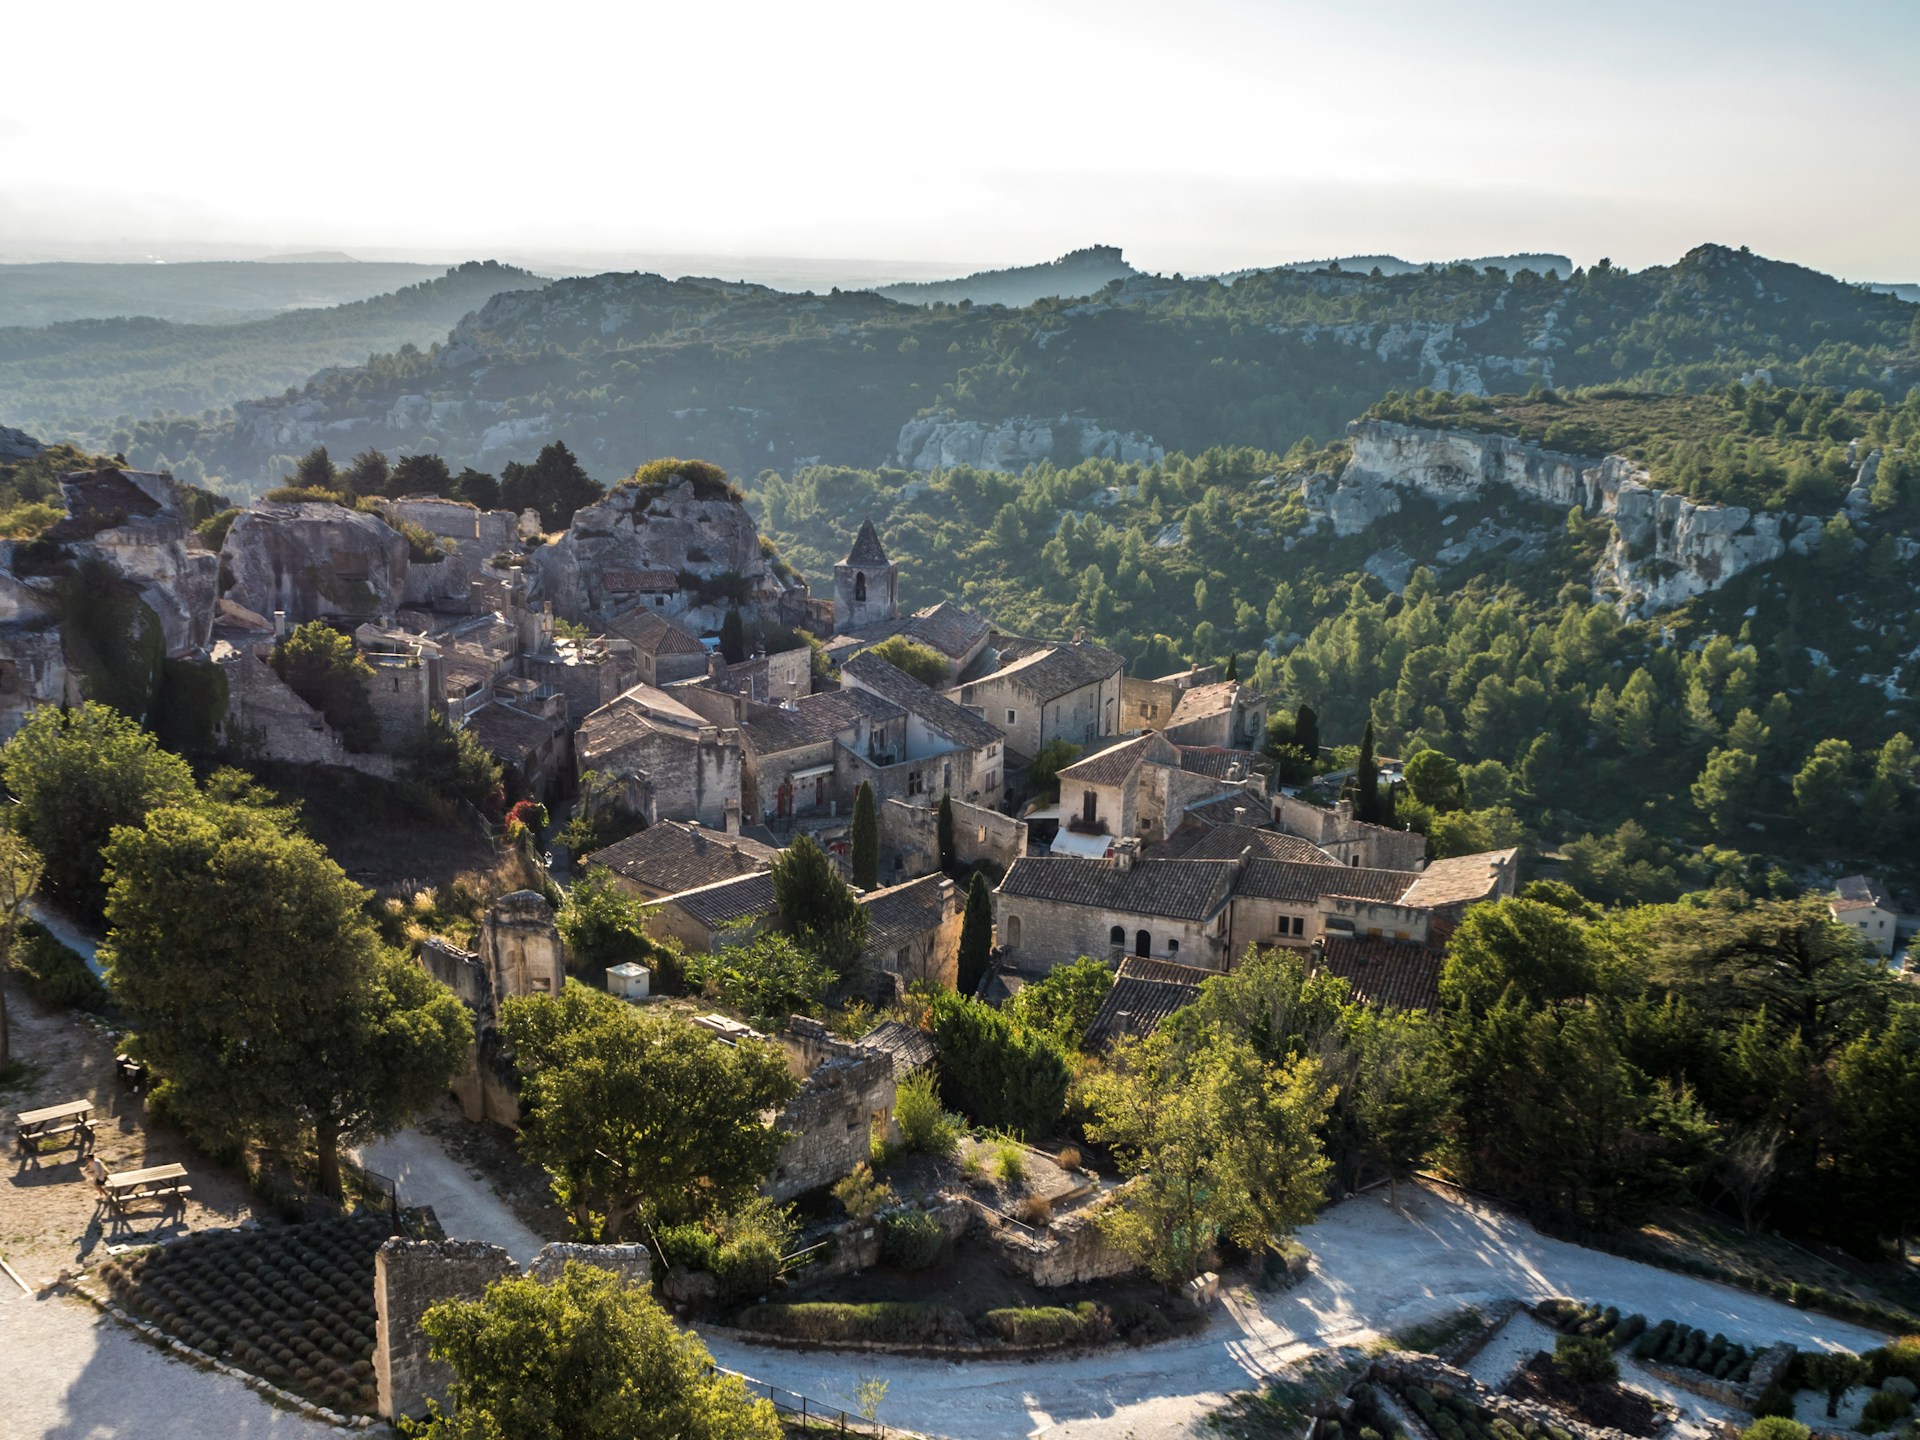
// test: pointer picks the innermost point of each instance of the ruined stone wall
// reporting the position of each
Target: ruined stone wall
(1350, 841)
(520, 948)
(1146, 704)
(912, 834)
(403, 695)
(832, 1120)
(410, 1277)
(267, 719)
(1071, 1251)
(588, 682)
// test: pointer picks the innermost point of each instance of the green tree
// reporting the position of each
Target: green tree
(910, 657)
(1062, 1004)
(476, 487)
(447, 762)
(733, 637)
(1366, 782)
(1724, 791)
(20, 871)
(943, 831)
(1524, 949)
(1217, 1142)
(638, 1114)
(582, 1357)
(367, 473)
(554, 485)
(77, 774)
(1823, 792)
(768, 978)
(1435, 781)
(323, 668)
(976, 936)
(1043, 774)
(865, 858)
(1306, 732)
(995, 1073)
(257, 988)
(315, 471)
(604, 924)
(420, 475)
(816, 909)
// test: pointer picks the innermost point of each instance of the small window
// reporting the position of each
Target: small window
(1013, 717)
(1300, 925)
(659, 600)
(859, 587)
(1173, 947)
(1013, 931)
(1117, 935)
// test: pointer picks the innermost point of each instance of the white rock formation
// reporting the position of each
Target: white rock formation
(1666, 548)
(314, 561)
(935, 442)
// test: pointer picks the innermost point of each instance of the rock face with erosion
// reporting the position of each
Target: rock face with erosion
(133, 520)
(936, 442)
(640, 535)
(314, 561)
(1666, 548)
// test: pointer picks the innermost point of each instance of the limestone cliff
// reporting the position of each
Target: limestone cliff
(314, 561)
(135, 521)
(936, 442)
(1666, 548)
(638, 535)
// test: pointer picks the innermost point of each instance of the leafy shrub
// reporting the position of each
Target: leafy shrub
(1900, 1357)
(1010, 1161)
(918, 1322)
(1883, 1409)
(1901, 1386)
(912, 1240)
(691, 1246)
(925, 1127)
(860, 1194)
(1085, 1324)
(1068, 1158)
(1001, 1077)
(53, 974)
(1776, 1427)
(1585, 1359)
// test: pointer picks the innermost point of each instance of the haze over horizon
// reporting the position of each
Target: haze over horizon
(897, 145)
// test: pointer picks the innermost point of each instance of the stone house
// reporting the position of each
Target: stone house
(1863, 907)
(799, 762)
(673, 856)
(1144, 993)
(1291, 902)
(952, 632)
(1045, 692)
(709, 918)
(409, 680)
(910, 837)
(1053, 909)
(945, 749)
(1149, 704)
(663, 652)
(529, 737)
(1226, 714)
(1355, 842)
(846, 1098)
(913, 930)
(866, 584)
(671, 762)
(590, 673)
(1139, 787)
(654, 589)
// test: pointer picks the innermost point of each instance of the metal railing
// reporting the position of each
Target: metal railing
(811, 1414)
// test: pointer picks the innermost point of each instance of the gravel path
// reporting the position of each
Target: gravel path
(1375, 1271)
(461, 1199)
(69, 1373)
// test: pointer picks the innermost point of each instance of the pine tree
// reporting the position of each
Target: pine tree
(976, 935)
(733, 637)
(866, 839)
(949, 860)
(1366, 782)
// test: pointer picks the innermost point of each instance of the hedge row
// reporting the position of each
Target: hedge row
(926, 1323)
(1671, 1343)
(1085, 1324)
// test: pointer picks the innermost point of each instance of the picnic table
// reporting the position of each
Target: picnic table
(75, 1117)
(168, 1182)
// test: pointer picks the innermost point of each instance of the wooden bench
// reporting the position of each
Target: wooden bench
(156, 1182)
(75, 1117)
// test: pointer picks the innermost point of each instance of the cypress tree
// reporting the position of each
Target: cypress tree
(1306, 734)
(1233, 667)
(866, 840)
(948, 859)
(1366, 782)
(976, 935)
(733, 638)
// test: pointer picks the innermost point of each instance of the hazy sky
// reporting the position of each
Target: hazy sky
(1198, 135)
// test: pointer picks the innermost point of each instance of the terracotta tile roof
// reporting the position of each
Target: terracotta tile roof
(654, 634)
(902, 914)
(867, 549)
(746, 897)
(1218, 761)
(1393, 974)
(1170, 889)
(948, 628)
(1227, 842)
(1144, 993)
(673, 856)
(1204, 700)
(911, 1049)
(1301, 883)
(1114, 764)
(1460, 880)
(1058, 670)
(956, 722)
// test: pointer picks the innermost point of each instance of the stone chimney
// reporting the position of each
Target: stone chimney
(1123, 853)
(279, 624)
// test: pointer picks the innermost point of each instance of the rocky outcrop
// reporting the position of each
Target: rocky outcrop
(17, 444)
(314, 561)
(135, 522)
(693, 531)
(940, 442)
(1666, 548)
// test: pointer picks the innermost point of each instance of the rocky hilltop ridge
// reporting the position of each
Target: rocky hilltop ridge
(1666, 548)
(940, 442)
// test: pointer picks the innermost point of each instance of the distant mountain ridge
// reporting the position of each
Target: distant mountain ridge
(1075, 274)
(203, 292)
(1540, 264)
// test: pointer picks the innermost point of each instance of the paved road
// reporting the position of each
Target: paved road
(1374, 1271)
(465, 1204)
(69, 934)
(69, 1373)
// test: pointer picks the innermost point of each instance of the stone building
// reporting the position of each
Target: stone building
(588, 672)
(663, 652)
(1139, 787)
(798, 762)
(1054, 909)
(1863, 907)
(1296, 903)
(1226, 713)
(913, 930)
(910, 837)
(266, 719)
(709, 918)
(670, 761)
(528, 735)
(845, 1100)
(866, 584)
(1046, 692)
(952, 632)
(672, 856)
(1354, 842)
(945, 748)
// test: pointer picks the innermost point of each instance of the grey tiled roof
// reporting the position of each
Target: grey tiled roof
(673, 856)
(511, 734)
(866, 549)
(746, 898)
(948, 628)
(1058, 670)
(1218, 761)
(901, 914)
(1227, 842)
(654, 634)
(1459, 880)
(1170, 889)
(1112, 765)
(910, 1049)
(956, 722)
(1391, 973)
(1294, 881)
(1144, 993)
(815, 719)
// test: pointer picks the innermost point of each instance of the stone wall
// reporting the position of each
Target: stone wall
(845, 1100)
(1071, 1251)
(410, 1277)
(911, 834)
(1350, 841)
(678, 774)
(1050, 933)
(265, 718)
(520, 947)
(404, 693)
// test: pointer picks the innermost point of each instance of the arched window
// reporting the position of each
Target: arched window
(1117, 935)
(1143, 944)
(1013, 932)
(859, 587)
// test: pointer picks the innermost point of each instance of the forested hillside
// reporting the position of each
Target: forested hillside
(88, 379)
(200, 292)
(635, 365)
